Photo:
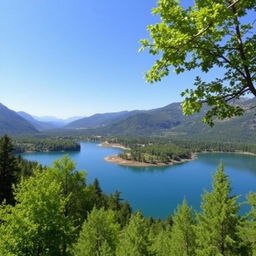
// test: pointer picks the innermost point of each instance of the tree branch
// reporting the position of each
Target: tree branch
(243, 54)
(230, 96)
(233, 4)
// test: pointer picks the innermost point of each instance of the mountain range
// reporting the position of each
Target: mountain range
(165, 121)
(100, 120)
(13, 124)
(39, 125)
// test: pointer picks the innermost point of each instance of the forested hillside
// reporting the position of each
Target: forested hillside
(170, 121)
(99, 120)
(13, 124)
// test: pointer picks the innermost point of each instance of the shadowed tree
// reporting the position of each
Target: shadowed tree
(8, 170)
(248, 229)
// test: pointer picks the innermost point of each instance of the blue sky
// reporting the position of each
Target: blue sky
(79, 57)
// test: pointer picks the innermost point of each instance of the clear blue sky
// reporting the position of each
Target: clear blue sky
(76, 57)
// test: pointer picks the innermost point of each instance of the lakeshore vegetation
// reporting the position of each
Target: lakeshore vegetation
(156, 154)
(47, 144)
(165, 151)
(191, 145)
(53, 211)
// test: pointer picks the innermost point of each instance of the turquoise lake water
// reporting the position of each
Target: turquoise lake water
(156, 191)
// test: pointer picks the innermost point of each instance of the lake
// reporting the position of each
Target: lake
(156, 191)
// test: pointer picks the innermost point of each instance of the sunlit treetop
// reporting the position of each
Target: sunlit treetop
(209, 34)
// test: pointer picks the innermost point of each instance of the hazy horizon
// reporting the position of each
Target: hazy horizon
(46, 116)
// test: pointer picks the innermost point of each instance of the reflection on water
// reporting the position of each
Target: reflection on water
(147, 169)
(233, 160)
(158, 190)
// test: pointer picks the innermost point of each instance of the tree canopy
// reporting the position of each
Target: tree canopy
(208, 34)
(57, 213)
(216, 232)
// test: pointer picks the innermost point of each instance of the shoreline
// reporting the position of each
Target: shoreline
(120, 161)
(115, 159)
(112, 145)
(231, 152)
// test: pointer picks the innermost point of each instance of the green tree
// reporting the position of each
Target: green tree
(122, 209)
(135, 238)
(99, 235)
(8, 170)
(73, 186)
(208, 34)
(36, 225)
(216, 231)
(161, 244)
(248, 229)
(98, 198)
(182, 233)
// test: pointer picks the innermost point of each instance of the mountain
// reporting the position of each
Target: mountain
(13, 124)
(100, 120)
(165, 121)
(57, 122)
(40, 126)
(169, 121)
(147, 123)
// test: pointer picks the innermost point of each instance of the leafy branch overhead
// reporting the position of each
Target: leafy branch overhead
(210, 34)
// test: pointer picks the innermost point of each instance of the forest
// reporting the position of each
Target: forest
(192, 145)
(165, 150)
(156, 153)
(53, 211)
(45, 144)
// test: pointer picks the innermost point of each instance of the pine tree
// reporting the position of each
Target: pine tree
(135, 238)
(99, 199)
(161, 244)
(182, 233)
(124, 214)
(122, 209)
(99, 235)
(216, 232)
(8, 170)
(248, 229)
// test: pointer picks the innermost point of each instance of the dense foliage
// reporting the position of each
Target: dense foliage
(207, 34)
(12, 169)
(185, 144)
